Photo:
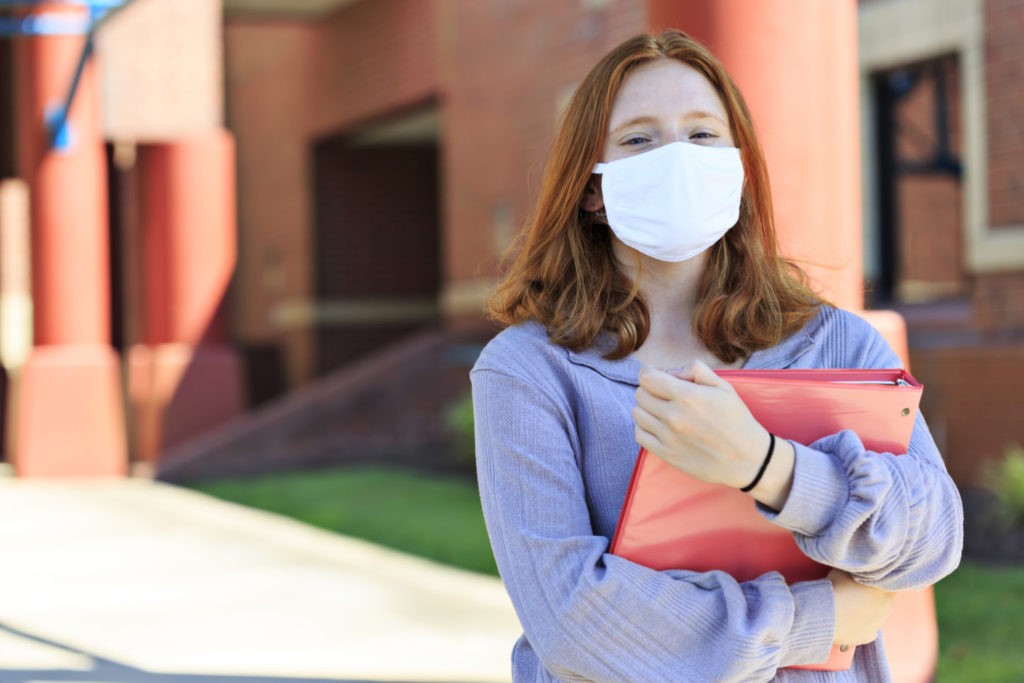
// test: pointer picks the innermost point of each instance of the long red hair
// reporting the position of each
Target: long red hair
(564, 273)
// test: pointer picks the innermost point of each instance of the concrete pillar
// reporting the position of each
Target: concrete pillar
(796, 63)
(15, 274)
(70, 407)
(15, 299)
(183, 378)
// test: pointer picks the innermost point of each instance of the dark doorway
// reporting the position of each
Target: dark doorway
(8, 169)
(121, 197)
(8, 160)
(377, 245)
(920, 199)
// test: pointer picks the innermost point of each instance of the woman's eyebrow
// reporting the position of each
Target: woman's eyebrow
(696, 115)
(639, 120)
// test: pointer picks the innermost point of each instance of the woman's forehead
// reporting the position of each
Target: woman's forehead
(664, 88)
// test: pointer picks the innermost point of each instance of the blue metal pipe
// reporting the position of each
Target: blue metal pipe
(53, 24)
(60, 136)
(44, 25)
(92, 4)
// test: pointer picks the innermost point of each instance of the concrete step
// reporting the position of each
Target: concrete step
(387, 407)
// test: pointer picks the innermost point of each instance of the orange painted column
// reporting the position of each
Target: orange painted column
(796, 63)
(70, 415)
(183, 377)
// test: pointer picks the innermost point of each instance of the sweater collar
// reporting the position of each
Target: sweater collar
(783, 355)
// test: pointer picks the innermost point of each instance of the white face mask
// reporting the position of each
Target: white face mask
(674, 201)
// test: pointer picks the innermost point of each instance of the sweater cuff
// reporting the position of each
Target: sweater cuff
(814, 624)
(819, 492)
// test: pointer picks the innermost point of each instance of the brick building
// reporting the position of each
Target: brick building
(943, 230)
(387, 151)
(941, 108)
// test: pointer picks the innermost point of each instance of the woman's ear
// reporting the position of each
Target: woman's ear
(592, 199)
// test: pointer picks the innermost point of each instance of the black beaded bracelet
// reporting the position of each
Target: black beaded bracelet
(764, 465)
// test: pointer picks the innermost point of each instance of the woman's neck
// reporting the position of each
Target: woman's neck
(670, 291)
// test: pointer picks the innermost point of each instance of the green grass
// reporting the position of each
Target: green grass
(431, 516)
(981, 619)
(980, 609)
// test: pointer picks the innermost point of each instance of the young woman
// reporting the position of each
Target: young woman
(650, 261)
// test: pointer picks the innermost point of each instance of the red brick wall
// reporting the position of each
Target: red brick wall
(972, 401)
(371, 59)
(998, 303)
(268, 84)
(507, 66)
(1004, 76)
(998, 298)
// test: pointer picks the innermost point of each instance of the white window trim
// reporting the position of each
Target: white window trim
(900, 31)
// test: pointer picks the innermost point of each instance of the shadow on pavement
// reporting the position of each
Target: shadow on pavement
(108, 671)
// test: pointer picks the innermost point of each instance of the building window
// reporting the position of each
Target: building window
(917, 174)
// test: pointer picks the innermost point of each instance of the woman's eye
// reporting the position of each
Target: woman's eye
(634, 140)
(703, 135)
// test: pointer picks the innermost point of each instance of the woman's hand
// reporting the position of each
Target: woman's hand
(860, 609)
(695, 420)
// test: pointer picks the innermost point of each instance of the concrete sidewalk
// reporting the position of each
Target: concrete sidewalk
(137, 581)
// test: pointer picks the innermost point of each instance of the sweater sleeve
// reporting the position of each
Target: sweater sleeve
(892, 520)
(590, 615)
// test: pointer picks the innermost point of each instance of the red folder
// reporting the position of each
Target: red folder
(670, 520)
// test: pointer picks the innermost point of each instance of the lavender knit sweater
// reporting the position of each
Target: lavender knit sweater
(555, 450)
